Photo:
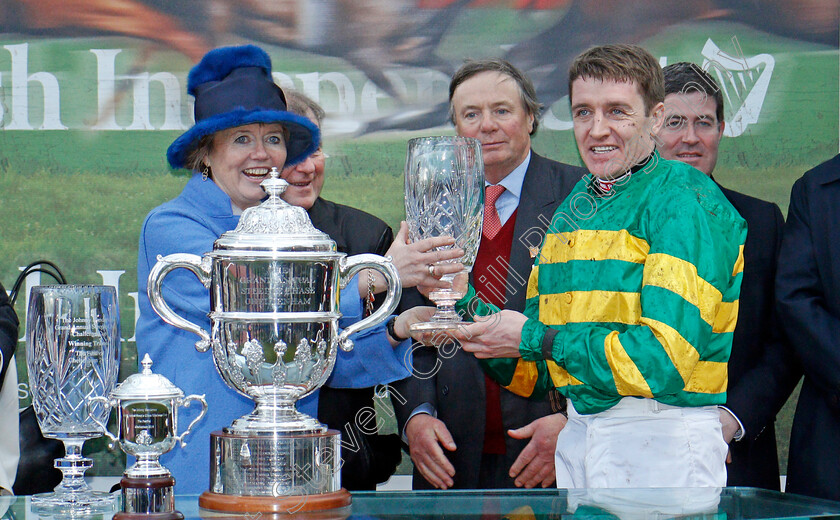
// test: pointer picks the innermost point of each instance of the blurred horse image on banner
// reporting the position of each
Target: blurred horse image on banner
(376, 36)
(372, 35)
(546, 56)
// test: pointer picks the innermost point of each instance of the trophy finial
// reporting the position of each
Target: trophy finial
(274, 216)
(146, 364)
(274, 185)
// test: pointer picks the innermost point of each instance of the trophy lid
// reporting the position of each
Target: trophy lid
(146, 385)
(275, 225)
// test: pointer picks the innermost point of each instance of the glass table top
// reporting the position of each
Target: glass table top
(516, 504)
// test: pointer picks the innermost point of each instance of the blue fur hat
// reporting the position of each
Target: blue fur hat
(232, 86)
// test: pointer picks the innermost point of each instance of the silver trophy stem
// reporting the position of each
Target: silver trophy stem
(147, 465)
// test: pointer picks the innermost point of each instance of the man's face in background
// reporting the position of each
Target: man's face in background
(691, 132)
(489, 107)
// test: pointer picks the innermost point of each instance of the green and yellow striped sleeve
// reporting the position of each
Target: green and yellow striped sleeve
(521, 377)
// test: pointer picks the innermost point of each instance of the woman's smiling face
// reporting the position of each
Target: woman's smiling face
(241, 157)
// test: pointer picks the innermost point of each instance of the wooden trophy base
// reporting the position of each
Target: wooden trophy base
(174, 515)
(287, 504)
(150, 498)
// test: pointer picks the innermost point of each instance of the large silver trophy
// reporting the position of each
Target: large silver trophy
(274, 285)
(444, 196)
(73, 357)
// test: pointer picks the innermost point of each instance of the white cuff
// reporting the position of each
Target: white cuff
(741, 432)
(426, 408)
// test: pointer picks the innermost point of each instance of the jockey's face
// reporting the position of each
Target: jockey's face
(612, 129)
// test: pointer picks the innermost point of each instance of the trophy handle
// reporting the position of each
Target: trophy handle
(186, 402)
(348, 267)
(201, 268)
(108, 404)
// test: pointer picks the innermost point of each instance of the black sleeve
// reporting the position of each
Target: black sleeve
(384, 242)
(802, 303)
(763, 390)
(411, 297)
(419, 388)
(8, 333)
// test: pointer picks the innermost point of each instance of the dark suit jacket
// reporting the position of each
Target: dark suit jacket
(762, 368)
(808, 292)
(355, 232)
(451, 380)
(8, 333)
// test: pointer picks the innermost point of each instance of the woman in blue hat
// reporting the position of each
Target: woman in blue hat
(242, 129)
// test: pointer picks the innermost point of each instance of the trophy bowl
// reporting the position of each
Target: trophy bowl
(275, 328)
(274, 308)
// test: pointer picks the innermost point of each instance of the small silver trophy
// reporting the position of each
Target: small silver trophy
(274, 284)
(147, 418)
(444, 196)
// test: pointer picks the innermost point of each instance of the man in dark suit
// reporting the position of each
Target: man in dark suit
(462, 429)
(9, 448)
(808, 294)
(762, 373)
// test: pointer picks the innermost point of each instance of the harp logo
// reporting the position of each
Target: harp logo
(743, 82)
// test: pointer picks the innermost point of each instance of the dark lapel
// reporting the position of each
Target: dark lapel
(540, 193)
(825, 220)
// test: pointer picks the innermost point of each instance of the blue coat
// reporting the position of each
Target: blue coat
(191, 223)
(808, 293)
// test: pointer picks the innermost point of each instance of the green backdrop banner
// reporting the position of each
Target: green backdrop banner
(93, 94)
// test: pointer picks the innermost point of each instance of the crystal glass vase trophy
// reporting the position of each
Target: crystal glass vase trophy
(147, 421)
(444, 196)
(73, 357)
(274, 284)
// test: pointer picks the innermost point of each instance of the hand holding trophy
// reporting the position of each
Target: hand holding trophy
(444, 196)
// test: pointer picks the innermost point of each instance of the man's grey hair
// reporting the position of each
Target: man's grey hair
(299, 103)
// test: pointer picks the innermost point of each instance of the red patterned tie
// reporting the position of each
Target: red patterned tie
(492, 224)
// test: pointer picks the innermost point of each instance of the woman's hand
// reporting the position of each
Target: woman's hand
(418, 263)
(407, 319)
